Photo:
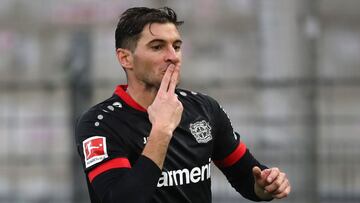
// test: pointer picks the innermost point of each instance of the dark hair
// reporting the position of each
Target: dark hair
(133, 21)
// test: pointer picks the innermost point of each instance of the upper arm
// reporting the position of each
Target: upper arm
(228, 148)
(99, 148)
(105, 158)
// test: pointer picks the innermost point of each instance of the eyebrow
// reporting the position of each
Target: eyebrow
(163, 41)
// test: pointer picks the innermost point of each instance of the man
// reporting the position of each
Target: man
(153, 142)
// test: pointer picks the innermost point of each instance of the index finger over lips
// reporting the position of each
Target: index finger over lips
(174, 79)
(167, 78)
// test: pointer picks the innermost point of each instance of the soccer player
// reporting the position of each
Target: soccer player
(154, 142)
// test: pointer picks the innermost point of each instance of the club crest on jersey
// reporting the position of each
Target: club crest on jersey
(94, 150)
(201, 131)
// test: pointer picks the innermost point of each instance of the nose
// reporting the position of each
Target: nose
(172, 56)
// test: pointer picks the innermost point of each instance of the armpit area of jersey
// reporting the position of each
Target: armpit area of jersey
(128, 185)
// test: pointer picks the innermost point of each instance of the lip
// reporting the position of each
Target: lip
(165, 67)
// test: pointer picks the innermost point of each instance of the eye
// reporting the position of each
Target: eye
(177, 47)
(156, 47)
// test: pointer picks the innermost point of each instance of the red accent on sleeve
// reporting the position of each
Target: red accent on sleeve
(232, 158)
(113, 163)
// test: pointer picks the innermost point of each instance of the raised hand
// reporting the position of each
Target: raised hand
(166, 110)
(165, 115)
(271, 183)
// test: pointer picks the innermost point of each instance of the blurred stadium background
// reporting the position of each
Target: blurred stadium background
(286, 71)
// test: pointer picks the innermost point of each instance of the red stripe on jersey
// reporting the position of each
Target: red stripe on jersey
(120, 91)
(235, 156)
(113, 163)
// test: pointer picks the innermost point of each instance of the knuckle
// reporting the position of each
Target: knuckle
(270, 188)
(287, 182)
(179, 105)
(163, 96)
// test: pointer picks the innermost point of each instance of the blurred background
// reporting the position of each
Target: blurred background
(286, 71)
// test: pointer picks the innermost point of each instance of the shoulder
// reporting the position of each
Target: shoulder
(99, 111)
(99, 117)
(193, 97)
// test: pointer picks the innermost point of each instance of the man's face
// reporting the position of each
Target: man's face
(159, 46)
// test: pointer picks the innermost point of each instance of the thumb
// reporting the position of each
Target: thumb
(256, 172)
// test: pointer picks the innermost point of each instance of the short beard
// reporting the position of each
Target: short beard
(154, 86)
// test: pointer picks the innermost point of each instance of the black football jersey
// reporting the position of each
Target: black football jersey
(112, 134)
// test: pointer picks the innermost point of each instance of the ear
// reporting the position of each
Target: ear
(125, 58)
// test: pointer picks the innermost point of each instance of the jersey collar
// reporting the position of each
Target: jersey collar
(120, 91)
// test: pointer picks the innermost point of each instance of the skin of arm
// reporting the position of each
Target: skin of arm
(165, 115)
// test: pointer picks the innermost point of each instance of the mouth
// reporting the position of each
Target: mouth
(165, 67)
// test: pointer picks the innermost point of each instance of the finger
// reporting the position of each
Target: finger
(281, 188)
(173, 80)
(276, 184)
(283, 194)
(166, 79)
(266, 172)
(274, 173)
(256, 172)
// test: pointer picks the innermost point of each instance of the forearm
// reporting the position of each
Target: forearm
(157, 145)
(241, 178)
(141, 177)
(126, 184)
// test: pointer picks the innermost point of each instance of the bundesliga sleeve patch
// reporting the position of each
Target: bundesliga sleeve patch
(94, 150)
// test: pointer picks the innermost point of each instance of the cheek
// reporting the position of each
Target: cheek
(147, 70)
(180, 56)
(150, 66)
(147, 61)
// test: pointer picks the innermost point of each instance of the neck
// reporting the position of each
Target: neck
(142, 95)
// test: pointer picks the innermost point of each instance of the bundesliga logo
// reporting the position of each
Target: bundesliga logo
(94, 150)
(201, 131)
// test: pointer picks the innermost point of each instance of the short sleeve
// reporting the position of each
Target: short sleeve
(228, 148)
(97, 143)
